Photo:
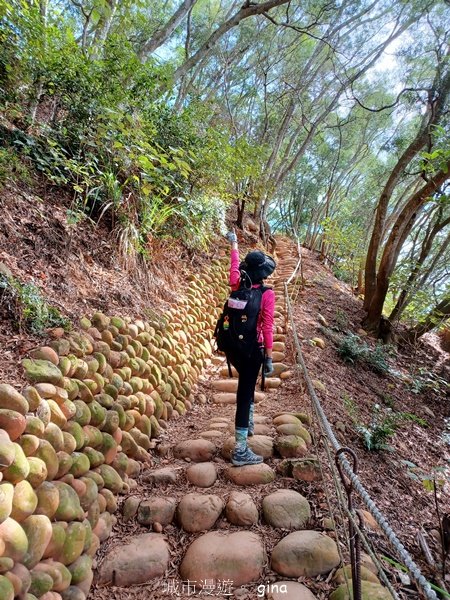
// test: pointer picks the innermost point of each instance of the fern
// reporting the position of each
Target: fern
(382, 427)
(351, 349)
(376, 359)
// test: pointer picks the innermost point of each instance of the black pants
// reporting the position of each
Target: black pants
(248, 369)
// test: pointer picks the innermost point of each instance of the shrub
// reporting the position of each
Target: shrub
(376, 359)
(380, 430)
(341, 319)
(98, 125)
(29, 307)
(383, 425)
(350, 406)
(199, 217)
(11, 166)
(424, 380)
(351, 349)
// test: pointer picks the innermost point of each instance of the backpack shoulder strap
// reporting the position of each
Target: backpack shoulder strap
(261, 289)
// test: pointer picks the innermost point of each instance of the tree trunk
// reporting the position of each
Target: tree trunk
(39, 85)
(436, 104)
(287, 166)
(101, 35)
(315, 229)
(310, 73)
(240, 213)
(400, 231)
(397, 208)
(280, 137)
(360, 288)
(412, 279)
(323, 242)
(187, 45)
(308, 234)
(435, 317)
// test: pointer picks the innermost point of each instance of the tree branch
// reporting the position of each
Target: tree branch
(246, 11)
(163, 34)
(302, 30)
(376, 110)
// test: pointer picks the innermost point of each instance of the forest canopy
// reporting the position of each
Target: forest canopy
(327, 120)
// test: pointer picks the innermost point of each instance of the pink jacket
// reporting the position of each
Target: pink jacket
(266, 314)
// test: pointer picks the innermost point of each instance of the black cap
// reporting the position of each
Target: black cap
(257, 265)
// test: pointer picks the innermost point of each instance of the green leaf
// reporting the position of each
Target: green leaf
(428, 484)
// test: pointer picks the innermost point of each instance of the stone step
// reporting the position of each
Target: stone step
(217, 360)
(142, 558)
(212, 434)
(272, 383)
(260, 429)
(261, 419)
(279, 368)
(223, 556)
(279, 337)
(230, 397)
(197, 450)
(224, 372)
(225, 385)
(279, 346)
(202, 474)
(220, 419)
(260, 474)
(219, 425)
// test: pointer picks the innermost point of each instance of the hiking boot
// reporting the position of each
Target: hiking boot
(240, 458)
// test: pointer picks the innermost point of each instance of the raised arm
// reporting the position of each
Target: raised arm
(235, 274)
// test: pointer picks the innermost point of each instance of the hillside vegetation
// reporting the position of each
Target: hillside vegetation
(329, 121)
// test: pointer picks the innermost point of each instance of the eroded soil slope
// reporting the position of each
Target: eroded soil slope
(78, 268)
(353, 393)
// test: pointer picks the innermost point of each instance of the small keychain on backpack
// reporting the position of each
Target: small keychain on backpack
(226, 323)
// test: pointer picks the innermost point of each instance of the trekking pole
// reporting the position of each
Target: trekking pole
(230, 372)
(263, 375)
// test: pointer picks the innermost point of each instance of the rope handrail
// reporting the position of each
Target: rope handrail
(402, 552)
(343, 507)
(299, 262)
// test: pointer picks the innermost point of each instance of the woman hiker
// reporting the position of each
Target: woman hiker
(250, 273)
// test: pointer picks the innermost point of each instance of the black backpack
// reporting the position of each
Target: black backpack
(236, 327)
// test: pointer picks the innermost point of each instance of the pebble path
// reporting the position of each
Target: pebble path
(225, 553)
